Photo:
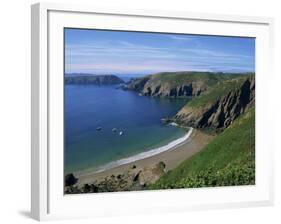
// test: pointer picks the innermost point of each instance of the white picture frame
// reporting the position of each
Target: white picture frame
(48, 201)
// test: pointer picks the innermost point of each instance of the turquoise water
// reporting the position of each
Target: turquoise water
(138, 117)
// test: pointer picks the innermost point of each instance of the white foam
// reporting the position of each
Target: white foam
(147, 154)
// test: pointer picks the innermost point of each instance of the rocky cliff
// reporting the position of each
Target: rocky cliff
(185, 90)
(218, 107)
(175, 84)
(93, 79)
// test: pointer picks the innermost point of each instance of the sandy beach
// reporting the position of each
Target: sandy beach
(172, 158)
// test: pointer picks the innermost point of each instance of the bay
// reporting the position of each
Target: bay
(88, 107)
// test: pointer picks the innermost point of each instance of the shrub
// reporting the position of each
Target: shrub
(232, 175)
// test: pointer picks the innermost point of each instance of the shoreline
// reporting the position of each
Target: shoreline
(172, 156)
(143, 155)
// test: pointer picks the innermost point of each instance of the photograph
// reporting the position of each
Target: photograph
(152, 111)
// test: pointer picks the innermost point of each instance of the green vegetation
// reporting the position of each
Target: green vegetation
(218, 90)
(232, 175)
(178, 78)
(229, 159)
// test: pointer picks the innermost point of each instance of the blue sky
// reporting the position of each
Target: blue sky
(114, 52)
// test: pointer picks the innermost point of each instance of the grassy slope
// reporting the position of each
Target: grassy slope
(219, 89)
(178, 78)
(227, 160)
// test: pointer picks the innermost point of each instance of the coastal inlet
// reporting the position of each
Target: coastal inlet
(105, 126)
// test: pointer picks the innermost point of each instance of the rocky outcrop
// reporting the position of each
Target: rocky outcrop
(186, 90)
(222, 97)
(150, 175)
(219, 113)
(93, 80)
(133, 179)
(70, 179)
(148, 87)
(137, 84)
(175, 84)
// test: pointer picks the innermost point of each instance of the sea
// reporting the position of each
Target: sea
(105, 126)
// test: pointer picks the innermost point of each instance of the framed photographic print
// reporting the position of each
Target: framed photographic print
(148, 111)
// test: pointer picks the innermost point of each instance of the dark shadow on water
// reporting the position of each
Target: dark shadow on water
(25, 214)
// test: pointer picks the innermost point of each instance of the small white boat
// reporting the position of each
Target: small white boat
(114, 129)
(174, 124)
(121, 133)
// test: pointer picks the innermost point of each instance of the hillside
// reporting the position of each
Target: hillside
(93, 79)
(229, 159)
(223, 105)
(220, 105)
(176, 84)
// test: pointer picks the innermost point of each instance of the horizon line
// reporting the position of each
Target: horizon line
(118, 73)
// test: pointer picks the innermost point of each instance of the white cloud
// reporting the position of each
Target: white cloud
(180, 38)
(123, 56)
